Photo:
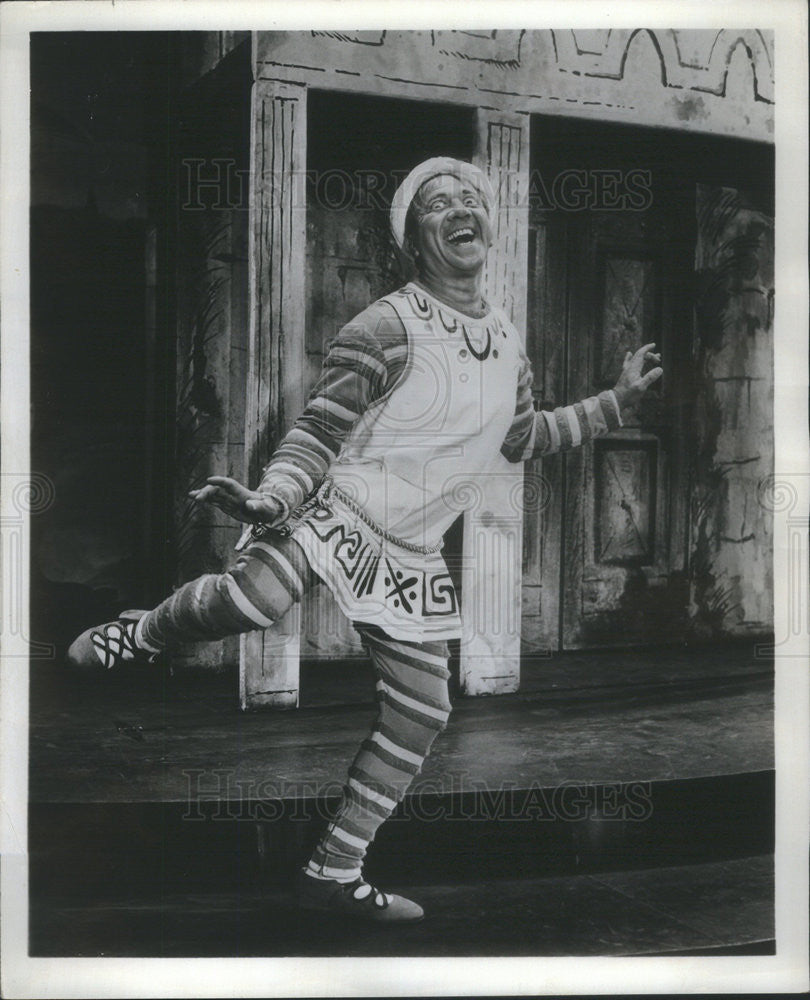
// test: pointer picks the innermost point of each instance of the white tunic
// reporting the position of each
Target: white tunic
(412, 462)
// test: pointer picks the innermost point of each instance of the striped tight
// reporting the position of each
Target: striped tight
(412, 697)
(260, 588)
(413, 709)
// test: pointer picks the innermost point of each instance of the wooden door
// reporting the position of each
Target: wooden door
(610, 542)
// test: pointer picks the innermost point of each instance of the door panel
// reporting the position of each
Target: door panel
(624, 544)
(625, 494)
(619, 557)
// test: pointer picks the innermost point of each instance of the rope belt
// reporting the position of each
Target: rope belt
(322, 498)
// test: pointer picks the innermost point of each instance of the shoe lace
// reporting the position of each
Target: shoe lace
(363, 891)
(116, 641)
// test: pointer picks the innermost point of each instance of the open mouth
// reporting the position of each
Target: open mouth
(462, 235)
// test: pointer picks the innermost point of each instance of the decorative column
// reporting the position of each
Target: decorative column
(492, 550)
(269, 660)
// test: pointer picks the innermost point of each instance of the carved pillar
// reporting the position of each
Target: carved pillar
(491, 582)
(269, 661)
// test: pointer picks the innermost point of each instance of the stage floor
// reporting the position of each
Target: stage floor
(597, 717)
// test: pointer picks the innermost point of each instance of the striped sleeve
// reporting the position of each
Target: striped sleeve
(533, 434)
(362, 363)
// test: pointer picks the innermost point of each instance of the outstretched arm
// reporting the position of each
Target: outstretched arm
(353, 375)
(534, 434)
(363, 360)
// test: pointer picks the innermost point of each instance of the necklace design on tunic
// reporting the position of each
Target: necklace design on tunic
(424, 309)
(480, 355)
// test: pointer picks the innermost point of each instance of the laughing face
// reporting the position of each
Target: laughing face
(453, 232)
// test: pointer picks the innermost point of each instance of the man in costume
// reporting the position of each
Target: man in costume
(418, 395)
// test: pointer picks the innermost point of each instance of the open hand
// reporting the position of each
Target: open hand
(238, 501)
(632, 384)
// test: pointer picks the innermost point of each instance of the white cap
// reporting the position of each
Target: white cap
(437, 166)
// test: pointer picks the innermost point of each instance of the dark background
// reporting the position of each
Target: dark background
(103, 127)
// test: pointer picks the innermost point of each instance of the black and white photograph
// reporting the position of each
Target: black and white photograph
(405, 483)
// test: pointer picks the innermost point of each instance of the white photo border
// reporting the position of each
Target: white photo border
(787, 970)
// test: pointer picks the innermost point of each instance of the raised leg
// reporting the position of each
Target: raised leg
(266, 580)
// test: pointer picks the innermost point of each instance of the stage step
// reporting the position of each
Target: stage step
(224, 845)
(715, 908)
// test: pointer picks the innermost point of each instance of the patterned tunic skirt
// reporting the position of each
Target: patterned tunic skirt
(408, 593)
